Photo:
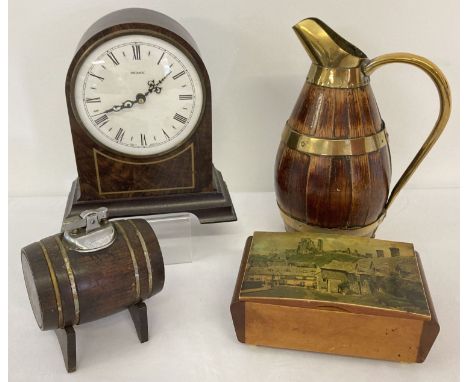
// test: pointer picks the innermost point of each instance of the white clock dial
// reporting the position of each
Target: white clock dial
(138, 95)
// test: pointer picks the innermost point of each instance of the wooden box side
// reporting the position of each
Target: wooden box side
(431, 328)
(332, 332)
(237, 306)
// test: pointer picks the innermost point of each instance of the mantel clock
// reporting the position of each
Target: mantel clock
(139, 104)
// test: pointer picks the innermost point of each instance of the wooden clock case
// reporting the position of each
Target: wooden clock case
(181, 180)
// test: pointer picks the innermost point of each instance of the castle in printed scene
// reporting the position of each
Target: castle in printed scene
(346, 272)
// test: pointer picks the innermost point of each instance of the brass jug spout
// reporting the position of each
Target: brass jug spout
(325, 47)
(336, 63)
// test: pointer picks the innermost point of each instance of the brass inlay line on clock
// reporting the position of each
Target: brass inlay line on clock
(145, 252)
(53, 277)
(71, 278)
(333, 147)
(98, 177)
(134, 262)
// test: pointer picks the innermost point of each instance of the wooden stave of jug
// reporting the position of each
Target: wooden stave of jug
(340, 183)
(67, 287)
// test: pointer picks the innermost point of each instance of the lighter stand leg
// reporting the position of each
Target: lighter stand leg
(67, 340)
(140, 319)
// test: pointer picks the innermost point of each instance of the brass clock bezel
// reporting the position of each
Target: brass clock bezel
(144, 29)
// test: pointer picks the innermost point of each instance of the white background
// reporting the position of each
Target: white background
(257, 68)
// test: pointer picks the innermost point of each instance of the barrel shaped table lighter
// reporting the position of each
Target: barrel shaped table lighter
(93, 269)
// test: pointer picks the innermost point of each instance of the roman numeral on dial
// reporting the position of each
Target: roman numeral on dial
(143, 139)
(136, 52)
(178, 75)
(160, 58)
(98, 77)
(120, 134)
(93, 100)
(113, 58)
(185, 97)
(180, 118)
(102, 120)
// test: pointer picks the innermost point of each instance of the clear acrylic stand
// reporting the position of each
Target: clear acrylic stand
(174, 233)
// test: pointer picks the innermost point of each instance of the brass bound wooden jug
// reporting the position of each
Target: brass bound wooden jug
(333, 165)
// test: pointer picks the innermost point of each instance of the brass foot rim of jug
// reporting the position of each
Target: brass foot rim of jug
(294, 225)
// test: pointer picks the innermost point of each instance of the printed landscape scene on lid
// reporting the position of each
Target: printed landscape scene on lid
(332, 268)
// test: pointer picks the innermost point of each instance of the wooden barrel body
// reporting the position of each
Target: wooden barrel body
(67, 287)
(333, 165)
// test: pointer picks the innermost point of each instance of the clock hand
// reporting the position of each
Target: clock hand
(125, 105)
(140, 98)
(155, 88)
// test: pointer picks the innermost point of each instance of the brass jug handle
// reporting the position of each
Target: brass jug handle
(445, 106)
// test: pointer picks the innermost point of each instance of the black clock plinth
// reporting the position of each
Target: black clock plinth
(209, 207)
